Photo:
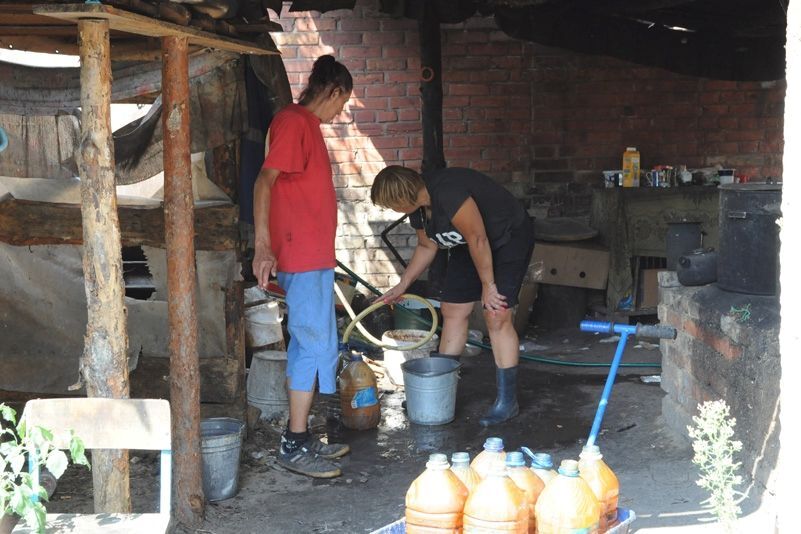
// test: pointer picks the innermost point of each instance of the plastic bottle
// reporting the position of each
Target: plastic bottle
(359, 394)
(460, 465)
(492, 453)
(542, 466)
(435, 500)
(496, 505)
(527, 481)
(567, 504)
(603, 482)
(631, 167)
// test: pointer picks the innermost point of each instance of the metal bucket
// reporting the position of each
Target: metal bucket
(394, 358)
(221, 445)
(431, 390)
(266, 384)
(263, 324)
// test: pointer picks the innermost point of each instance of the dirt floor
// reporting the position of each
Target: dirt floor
(557, 408)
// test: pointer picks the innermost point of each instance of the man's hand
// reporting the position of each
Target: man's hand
(264, 265)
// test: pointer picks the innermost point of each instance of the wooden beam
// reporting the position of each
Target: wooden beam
(141, 25)
(181, 273)
(235, 338)
(28, 222)
(789, 334)
(694, 54)
(104, 364)
(431, 88)
(221, 166)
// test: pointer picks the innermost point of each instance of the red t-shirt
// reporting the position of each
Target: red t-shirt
(303, 205)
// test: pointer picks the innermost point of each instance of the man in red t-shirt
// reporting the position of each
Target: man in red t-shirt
(295, 216)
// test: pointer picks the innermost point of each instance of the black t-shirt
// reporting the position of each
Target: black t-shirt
(449, 188)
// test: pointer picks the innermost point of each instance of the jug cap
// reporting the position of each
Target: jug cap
(591, 452)
(493, 444)
(541, 460)
(437, 461)
(515, 459)
(355, 355)
(569, 468)
(460, 457)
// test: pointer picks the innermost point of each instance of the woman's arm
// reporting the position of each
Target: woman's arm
(423, 255)
(470, 224)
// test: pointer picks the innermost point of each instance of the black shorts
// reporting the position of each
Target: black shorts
(509, 264)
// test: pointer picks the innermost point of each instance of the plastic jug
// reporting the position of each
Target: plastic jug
(603, 482)
(435, 500)
(567, 504)
(542, 466)
(496, 505)
(492, 453)
(359, 394)
(527, 481)
(460, 465)
(631, 167)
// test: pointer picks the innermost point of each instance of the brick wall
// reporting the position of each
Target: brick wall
(719, 354)
(537, 119)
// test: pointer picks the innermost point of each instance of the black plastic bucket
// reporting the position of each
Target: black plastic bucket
(748, 255)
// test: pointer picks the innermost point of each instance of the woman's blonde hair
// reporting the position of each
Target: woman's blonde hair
(396, 185)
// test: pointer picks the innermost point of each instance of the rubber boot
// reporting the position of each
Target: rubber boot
(505, 406)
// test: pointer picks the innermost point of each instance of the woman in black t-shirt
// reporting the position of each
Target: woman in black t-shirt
(489, 239)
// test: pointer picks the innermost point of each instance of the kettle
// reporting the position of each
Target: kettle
(698, 268)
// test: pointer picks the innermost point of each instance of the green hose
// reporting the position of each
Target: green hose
(528, 357)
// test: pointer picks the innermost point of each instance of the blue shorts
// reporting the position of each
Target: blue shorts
(312, 325)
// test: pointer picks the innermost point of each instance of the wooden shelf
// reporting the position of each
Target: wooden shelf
(133, 23)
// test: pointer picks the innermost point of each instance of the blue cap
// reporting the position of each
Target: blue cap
(541, 460)
(460, 457)
(515, 459)
(493, 444)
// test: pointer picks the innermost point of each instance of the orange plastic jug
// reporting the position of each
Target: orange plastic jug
(603, 482)
(358, 394)
(492, 453)
(567, 504)
(460, 465)
(542, 466)
(496, 505)
(435, 500)
(527, 481)
(631, 167)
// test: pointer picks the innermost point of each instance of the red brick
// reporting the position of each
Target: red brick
(451, 36)
(398, 51)
(314, 25)
(455, 89)
(489, 76)
(384, 38)
(410, 153)
(403, 76)
(469, 140)
(348, 52)
(343, 38)
(363, 116)
(409, 115)
(400, 102)
(370, 103)
(386, 116)
(386, 64)
(385, 90)
(358, 24)
(314, 51)
(395, 141)
(401, 23)
(454, 127)
(368, 78)
(403, 127)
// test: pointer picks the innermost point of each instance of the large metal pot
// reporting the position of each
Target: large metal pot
(748, 259)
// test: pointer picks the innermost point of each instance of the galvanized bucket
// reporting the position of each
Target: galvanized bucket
(221, 446)
(431, 390)
(266, 384)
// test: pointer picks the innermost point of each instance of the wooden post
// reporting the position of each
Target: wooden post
(790, 335)
(431, 88)
(181, 274)
(104, 365)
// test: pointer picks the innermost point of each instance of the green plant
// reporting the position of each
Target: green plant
(19, 493)
(714, 455)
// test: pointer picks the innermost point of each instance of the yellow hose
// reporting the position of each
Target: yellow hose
(356, 321)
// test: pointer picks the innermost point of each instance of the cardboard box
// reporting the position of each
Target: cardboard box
(569, 265)
(649, 288)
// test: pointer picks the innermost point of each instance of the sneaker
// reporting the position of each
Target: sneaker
(328, 451)
(307, 463)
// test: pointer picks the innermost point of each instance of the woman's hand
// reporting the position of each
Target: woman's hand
(491, 299)
(393, 295)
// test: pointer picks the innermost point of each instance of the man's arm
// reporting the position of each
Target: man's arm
(264, 262)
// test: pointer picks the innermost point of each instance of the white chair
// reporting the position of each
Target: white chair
(141, 424)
